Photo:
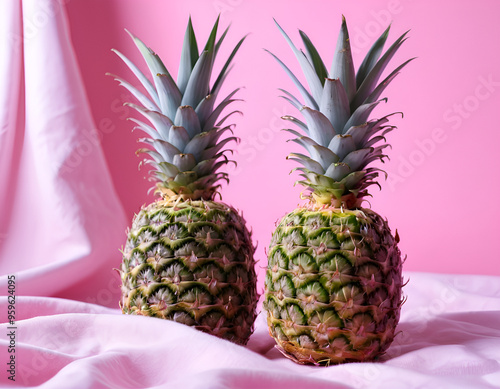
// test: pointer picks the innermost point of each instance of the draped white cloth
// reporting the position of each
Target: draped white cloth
(61, 226)
(449, 337)
(61, 223)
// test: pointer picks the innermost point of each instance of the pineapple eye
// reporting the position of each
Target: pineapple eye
(181, 218)
(337, 264)
(213, 320)
(314, 222)
(370, 272)
(206, 231)
(189, 249)
(131, 243)
(293, 314)
(145, 277)
(339, 345)
(174, 232)
(327, 317)
(293, 239)
(307, 342)
(230, 295)
(159, 219)
(138, 301)
(175, 273)
(141, 220)
(209, 273)
(284, 288)
(312, 293)
(136, 259)
(159, 252)
(272, 308)
(161, 298)
(183, 318)
(277, 258)
(238, 273)
(278, 333)
(324, 237)
(146, 237)
(361, 323)
(350, 292)
(224, 251)
(305, 263)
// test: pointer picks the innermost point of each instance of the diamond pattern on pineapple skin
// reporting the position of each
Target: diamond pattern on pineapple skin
(186, 274)
(333, 304)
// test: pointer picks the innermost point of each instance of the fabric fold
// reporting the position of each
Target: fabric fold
(449, 337)
(66, 224)
(10, 110)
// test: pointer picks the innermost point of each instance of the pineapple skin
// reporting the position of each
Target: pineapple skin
(191, 262)
(333, 285)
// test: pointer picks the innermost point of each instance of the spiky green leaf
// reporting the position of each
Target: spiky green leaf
(315, 85)
(371, 57)
(314, 57)
(150, 131)
(160, 122)
(184, 162)
(140, 76)
(297, 122)
(189, 56)
(324, 156)
(309, 100)
(320, 128)
(291, 99)
(168, 92)
(141, 97)
(381, 87)
(307, 162)
(357, 159)
(342, 65)
(334, 104)
(371, 80)
(214, 115)
(220, 78)
(178, 137)
(361, 115)
(187, 118)
(198, 85)
(342, 145)
(337, 171)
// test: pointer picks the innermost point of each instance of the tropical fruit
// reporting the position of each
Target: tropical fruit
(333, 288)
(188, 258)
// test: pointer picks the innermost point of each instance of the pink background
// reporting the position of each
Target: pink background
(441, 193)
(61, 222)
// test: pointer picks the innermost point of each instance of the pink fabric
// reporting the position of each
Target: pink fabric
(449, 338)
(61, 225)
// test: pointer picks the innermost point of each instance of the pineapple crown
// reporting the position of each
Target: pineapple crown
(339, 137)
(184, 141)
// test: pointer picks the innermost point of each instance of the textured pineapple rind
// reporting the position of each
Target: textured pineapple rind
(191, 262)
(333, 285)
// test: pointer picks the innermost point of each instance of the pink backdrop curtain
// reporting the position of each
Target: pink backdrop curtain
(61, 223)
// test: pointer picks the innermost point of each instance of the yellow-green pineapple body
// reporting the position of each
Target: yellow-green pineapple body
(333, 285)
(191, 262)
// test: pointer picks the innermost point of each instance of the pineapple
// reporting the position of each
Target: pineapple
(188, 258)
(333, 282)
